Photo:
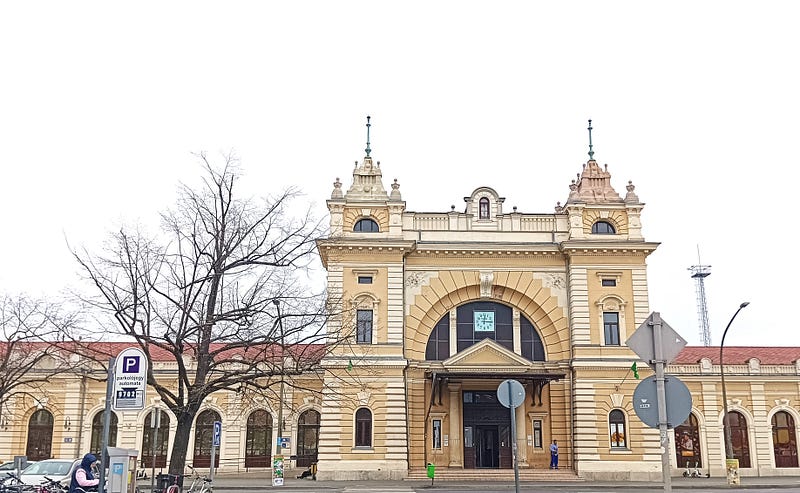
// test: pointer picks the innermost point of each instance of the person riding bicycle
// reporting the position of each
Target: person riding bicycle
(83, 478)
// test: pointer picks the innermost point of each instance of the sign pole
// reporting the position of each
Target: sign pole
(658, 350)
(155, 424)
(106, 424)
(213, 457)
(513, 409)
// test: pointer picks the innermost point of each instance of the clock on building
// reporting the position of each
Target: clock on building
(483, 321)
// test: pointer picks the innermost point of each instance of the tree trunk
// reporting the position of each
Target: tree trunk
(180, 445)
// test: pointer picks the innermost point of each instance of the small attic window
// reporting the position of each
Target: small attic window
(603, 228)
(366, 226)
(483, 208)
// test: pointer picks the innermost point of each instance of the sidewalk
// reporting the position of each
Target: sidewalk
(261, 480)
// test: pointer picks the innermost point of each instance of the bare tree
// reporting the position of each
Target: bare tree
(31, 335)
(217, 291)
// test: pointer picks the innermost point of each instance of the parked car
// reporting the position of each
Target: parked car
(9, 466)
(55, 469)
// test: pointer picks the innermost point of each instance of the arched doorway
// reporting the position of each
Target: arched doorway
(687, 443)
(161, 443)
(258, 445)
(40, 435)
(307, 438)
(784, 440)
(203, 437)
(96, 444)
(740, 441)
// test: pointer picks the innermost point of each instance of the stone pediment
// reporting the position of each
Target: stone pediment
(486, 354)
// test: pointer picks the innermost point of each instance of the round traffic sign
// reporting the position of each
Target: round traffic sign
(511, 393)
(677, 396)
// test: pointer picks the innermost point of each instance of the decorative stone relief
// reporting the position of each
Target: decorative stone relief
(557, 281)
(363, 397)
(736, 402)
(705, 365)
(616, 399)
(414, 279)
(754, 364)
(487, 279)
(309, 400)
(781, 402)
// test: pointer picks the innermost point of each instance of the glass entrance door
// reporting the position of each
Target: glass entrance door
(487, 450)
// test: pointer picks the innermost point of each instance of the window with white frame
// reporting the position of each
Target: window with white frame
(363, 428)
(364, 326)
(611, 328)
(616, 428)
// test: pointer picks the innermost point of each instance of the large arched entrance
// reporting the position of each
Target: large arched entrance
(40, 435)
(258, 444)
(203, 438)
(161, 441)
(687, 443)
(307, 438)
(740, 441)
(96, 443)
(784, 440)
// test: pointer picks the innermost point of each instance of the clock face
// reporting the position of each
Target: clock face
(483, 321)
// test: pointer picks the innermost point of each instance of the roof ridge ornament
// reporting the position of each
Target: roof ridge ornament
(368, 150)
(591, 152)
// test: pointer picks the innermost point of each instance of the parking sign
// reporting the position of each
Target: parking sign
(217, 433)
(130, 380)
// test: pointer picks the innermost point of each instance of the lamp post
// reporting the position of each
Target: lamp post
(280, 399)
(731, 464)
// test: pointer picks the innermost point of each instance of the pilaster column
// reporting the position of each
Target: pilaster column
(522, 442)
(456, 444)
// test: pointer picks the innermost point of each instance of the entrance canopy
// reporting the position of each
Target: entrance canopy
(533, 381)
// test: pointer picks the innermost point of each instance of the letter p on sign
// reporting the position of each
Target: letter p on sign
(130, 364)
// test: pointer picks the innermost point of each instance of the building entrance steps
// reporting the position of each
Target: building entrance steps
(451, 474)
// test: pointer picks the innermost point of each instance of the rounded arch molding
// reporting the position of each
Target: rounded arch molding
(520, 290)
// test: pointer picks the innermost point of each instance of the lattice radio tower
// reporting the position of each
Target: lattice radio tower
(699, 273)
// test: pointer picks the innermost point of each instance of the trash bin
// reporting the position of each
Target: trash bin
(163, 481)
(431, 471)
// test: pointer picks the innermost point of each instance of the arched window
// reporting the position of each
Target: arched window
(481, 320)
(616, 428)
(363, 427)
(687, 443)
(784, 441)
(96, 444)
(603, 228)
(203, 437)
(438, 348)
(366, 226)
(532, 347)
(161, 440)
(739, 439)
(258, 445)
(40, 435)
(483, 208)
(307, 438)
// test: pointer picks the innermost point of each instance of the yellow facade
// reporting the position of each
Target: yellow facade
(440, 308)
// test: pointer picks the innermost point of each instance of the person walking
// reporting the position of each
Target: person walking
(554, 455)
(83, 477)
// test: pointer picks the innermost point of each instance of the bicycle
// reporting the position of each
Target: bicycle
(200, 484)
(52, 486)
(11, 483)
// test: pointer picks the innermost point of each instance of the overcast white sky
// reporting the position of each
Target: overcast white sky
(102, 105)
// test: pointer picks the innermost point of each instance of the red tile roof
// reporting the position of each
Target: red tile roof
(105, 350)
(737, 355)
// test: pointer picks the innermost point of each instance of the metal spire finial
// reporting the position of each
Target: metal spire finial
(368, 150)
(591, 152)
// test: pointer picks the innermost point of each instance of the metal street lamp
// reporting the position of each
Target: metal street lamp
(725, 421)
(280, 408)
